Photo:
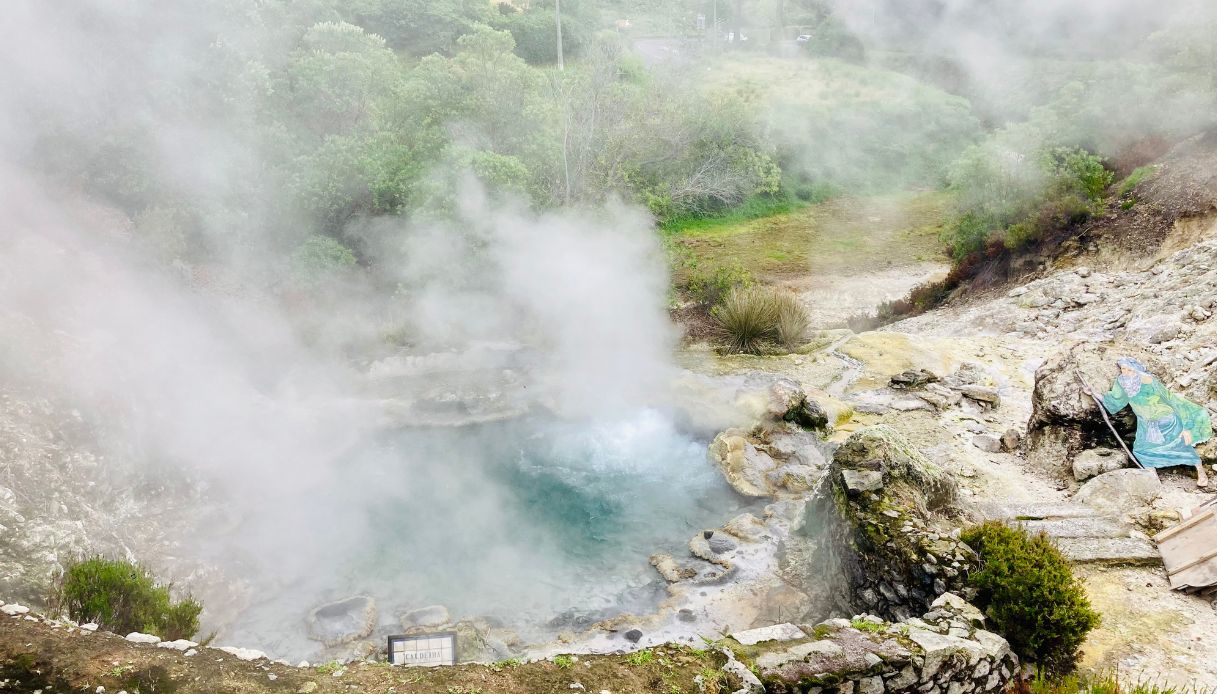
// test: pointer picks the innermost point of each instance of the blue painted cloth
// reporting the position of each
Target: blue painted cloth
(1162, 419)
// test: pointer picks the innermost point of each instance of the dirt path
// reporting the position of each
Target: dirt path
(842, 257)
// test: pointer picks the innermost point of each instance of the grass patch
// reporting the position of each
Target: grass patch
(329, 668)
(643, 657)
(755, 207)
(1026, 587)
(1098, 683)
(1133, 180)
(564, 662)
(123, 597)
(867, 625)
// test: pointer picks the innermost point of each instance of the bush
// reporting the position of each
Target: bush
(1029, 592)
(754, 318)
(710, 288)
(123, 597)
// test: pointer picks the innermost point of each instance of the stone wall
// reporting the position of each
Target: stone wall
(945, 651)
(879, 504)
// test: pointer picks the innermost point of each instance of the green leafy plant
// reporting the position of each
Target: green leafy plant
(1029, 592)
(122, 597)
(329, 668)
(564, 662)
(643, 657)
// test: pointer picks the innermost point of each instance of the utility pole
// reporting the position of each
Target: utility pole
(558, 23)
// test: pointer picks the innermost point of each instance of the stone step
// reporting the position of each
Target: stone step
(1076, 527)
(1117, 550)
(1034, 511)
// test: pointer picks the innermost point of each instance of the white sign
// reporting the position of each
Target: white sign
(426, 650)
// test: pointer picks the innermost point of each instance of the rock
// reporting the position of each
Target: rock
(1064, 420)
(91, 626)
(1057, 528)
(960, 608)
(13, 609)
(823, 649)
(911, 379)
(720, 543)
(788, 402)
(671, 571)
(242, 653)
(798, 478)
(940, 396)
(137, 637)
(1121, 491)
(684, 614)
(307, 688)
(796, 447)
(777, 632)
(429, 617)
(1199, 314)
(1109, 551)
(981, 394)
(1096, 461)
(1011, 440)
(1083, 271)
(633, 635)
(746, 527)
(178, 645)
(742, 463)
(987, 442)
(859, 481)
(941, 648)
(751, 683)
(1153, 329)
(870, 685)
(343, 621)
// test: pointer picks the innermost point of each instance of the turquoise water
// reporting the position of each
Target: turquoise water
(521, 521)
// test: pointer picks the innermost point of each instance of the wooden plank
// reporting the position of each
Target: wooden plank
(1176, 529)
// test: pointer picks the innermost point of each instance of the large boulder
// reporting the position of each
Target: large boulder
(884, 527)
(1064, 419)
(1096, 461)
(780, 462)
(1121, 491)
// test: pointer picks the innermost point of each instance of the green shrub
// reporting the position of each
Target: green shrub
(710, 288)
(123, 597)
(752, 319)
(1029, 592)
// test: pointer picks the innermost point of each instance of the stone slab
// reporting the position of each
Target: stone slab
(1124, 550)
(1034, 511)
(1077, 527)
(777, 632)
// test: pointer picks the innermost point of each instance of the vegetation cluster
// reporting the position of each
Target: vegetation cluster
(123, 597)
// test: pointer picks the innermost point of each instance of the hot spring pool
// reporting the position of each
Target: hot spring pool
(533, 522)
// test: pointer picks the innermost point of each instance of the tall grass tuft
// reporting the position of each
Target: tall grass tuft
(792, 322)
(755, 319)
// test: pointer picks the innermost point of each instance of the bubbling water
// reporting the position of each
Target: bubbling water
(521, 521)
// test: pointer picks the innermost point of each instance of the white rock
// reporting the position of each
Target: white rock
(242, 653)
(777, 632)
(178, 645)
(190, 652)
(13, 609)
(88, 627)
(137, 637)
(987, 442)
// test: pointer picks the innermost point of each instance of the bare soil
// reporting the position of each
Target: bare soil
(37, 657)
